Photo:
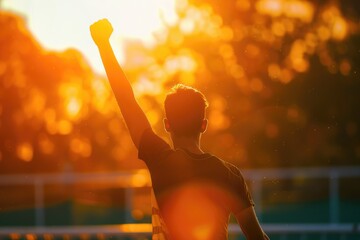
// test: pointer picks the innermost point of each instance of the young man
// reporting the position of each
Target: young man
(194, 192)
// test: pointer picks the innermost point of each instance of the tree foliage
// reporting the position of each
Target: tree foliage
(281, 78)
(56, 114)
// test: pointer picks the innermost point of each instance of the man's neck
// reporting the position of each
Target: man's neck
(191, 144)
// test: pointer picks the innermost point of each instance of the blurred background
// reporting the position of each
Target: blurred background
(281, 76)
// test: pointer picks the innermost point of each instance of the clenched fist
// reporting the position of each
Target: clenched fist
(101, 31)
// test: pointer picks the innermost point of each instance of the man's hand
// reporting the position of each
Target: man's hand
(101, 31)
(134, 117)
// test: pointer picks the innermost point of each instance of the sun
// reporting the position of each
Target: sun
(59, 25)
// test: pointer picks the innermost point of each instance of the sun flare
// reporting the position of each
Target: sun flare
(59, 25)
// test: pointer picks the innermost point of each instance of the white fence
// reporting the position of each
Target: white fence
(131, 180)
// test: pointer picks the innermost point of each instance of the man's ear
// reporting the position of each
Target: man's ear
(204, 125)
(166, 124)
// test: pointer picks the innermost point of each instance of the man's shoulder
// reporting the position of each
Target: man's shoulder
(230, 166)
(232, 170)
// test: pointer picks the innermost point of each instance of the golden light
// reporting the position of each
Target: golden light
(217, 119)
(339, 29)
(114, 126)
(256, 85)
(50, 121)
(336, 24)
(153, 116)
(252, 50)
(197, 213)
(323, 33)
(138, 227)
(311, 43)
(24, 151)
(243, 5)
(236, 71)
(299, 63)
(73, 107)
(182, 62)
(64, 127)
(203, 20)
(226, 33)
(226, 51)
(101, 94)
(286, 75)
(274, 71)
(131, 20)
(101, 137)
(302, 10)
(278, 28)
(270, 7)
(30, 237)
(140, 179)
(35, 104)
(73, 98)
(145, 85)
(81, 146)
(187, 26)
(299, 9)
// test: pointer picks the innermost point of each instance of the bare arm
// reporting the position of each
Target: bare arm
(250, 225)
(134, 117)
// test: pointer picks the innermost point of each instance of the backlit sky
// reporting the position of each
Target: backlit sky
(59, 25)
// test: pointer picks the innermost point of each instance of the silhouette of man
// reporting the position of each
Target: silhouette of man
(194, 192)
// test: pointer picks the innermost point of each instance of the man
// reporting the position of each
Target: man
(194, 192)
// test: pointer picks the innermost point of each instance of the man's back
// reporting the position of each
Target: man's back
(195, 193)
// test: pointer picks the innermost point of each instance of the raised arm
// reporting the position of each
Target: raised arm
(135, 118)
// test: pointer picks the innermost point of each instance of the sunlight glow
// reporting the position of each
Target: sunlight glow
(302, 10)
(64, 127)
(81, 146)
(192, 206)
(138, 227)
(217, 119)
(72, 99)
(299, 63)
(339, 29)
(59, 25)
(73, 107)
(140, 179)
(336, 23)
(35, 103)
(145, 85)
(24, 151)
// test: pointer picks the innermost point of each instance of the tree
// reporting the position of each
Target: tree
(56, 114)
(280, 77)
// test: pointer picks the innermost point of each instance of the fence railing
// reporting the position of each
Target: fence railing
(145, 230)
(134, 179)
(332, 174)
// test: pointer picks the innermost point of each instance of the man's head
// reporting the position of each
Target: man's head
(185, 111)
